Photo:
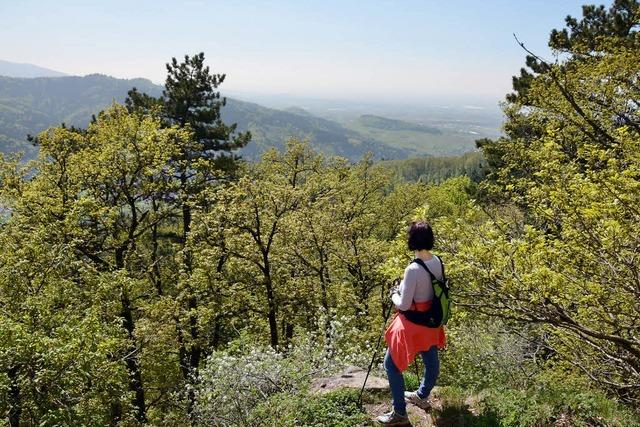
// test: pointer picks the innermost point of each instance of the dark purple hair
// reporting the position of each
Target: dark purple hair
(420, 236)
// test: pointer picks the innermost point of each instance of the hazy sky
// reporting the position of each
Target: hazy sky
(325, 48)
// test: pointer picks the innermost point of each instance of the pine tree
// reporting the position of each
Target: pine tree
(191, 100)
(581, 40)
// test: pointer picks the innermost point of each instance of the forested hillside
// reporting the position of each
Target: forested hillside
(148, 276)
(270, 128)
(28, 106)
(416, 139)
(439, 169)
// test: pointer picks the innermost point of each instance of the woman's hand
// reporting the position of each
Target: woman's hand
(395, 288)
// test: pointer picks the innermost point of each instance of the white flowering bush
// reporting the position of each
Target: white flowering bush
(230, 385)
(234, 383)
(349, 341)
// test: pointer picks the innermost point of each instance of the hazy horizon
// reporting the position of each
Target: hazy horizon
(403, 52)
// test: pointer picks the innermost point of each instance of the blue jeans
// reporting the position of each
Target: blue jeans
(396, 381)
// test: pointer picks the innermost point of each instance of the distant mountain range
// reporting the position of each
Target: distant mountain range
(30, 105)
(14, 69)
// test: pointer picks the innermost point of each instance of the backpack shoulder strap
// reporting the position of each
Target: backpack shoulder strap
(423, 265)
(444, 276)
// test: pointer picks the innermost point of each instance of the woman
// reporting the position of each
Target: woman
(405, 340)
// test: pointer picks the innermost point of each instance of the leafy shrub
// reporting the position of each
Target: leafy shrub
(490, 359)
(411, 380)
(348, 342)
(338, 408)
(556, 404)
(249, 386)
(457, 412)
(486, 354)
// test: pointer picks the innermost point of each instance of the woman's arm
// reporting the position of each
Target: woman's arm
(404, 298)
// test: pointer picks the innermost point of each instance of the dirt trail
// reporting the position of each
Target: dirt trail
(443, 412)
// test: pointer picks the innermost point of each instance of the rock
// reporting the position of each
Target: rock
(351, 377)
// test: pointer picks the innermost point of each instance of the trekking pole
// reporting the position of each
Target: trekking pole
(375, 351)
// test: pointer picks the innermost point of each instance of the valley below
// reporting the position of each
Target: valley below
(31, 105)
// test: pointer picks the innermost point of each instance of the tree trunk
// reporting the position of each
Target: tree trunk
(271, 300)
(190, 358)
(194, 355)
(273, 322)
(324, 301)
(15, 405)
(133, 365)
(215, 340)
(131, 360)
(116, 414)
(156, 276)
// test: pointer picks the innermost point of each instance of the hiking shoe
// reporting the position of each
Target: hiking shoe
(412, 397)
(393, 419)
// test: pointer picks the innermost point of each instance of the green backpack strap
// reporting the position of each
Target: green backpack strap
(444, 276)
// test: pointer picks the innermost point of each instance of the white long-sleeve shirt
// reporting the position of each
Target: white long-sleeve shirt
(416, 284)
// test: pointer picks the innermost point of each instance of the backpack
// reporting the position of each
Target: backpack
(438, 313)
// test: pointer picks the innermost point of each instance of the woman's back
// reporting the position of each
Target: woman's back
(406, 339)
(416, 283)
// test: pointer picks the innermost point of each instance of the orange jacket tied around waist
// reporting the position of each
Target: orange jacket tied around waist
(405, 339)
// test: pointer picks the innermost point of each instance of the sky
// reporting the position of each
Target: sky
(350, 49)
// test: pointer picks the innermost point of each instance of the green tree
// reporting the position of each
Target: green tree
(191, 100)
(566, 254)
(85, 217)
(580, 41)
(249, 215)
(298, 239)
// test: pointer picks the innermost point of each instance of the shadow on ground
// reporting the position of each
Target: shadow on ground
(441, 415)
(461, 417)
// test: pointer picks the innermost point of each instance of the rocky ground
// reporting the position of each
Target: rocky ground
(443, 413)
